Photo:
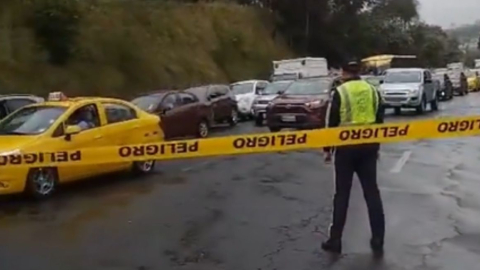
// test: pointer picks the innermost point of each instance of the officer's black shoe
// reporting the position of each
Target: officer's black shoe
(377, 246)
(332, 245)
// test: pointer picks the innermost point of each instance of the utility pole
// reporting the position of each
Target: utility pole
(307, 28)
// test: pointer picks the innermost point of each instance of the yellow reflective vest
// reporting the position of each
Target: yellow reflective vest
(358, 103)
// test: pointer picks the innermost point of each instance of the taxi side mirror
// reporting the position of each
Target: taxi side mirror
(71, 130)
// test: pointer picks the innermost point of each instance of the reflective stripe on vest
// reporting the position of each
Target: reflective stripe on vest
(358, 104)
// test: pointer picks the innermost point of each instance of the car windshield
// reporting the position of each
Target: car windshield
(275, 87)
(147, 103)
(242, 88)
(403, 77)
(309, 87)
(31, 120)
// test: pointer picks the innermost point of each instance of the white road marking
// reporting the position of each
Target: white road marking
(401, 162)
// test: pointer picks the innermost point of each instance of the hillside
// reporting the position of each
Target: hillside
(466, 34)
(122, 47)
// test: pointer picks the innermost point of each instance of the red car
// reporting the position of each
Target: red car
(302, 106)
(182, 113)
(220, 101)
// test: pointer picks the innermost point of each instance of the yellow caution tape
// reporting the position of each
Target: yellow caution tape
(255, 143)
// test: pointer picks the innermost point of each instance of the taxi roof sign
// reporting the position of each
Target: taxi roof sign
(57, 96)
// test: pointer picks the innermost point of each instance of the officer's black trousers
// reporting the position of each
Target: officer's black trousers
(362, 160)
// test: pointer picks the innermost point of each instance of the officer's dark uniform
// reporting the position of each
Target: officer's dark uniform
(359, 159)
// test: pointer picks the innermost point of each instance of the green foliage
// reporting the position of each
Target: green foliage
(119, 48)
(343, 29)
(56, 27)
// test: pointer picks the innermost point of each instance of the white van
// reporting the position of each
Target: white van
(292, 69)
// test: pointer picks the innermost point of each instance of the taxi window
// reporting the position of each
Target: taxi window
(116, 113)
(86, 117)
(31, 120)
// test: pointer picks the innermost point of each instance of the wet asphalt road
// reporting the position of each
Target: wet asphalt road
(258, 212)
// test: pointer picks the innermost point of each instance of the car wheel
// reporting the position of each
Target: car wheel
(421, 108)
(233, 119)
(143, 167)
(434, 104)
(259, 121)
(41, 182)
(397, 111)
(203, 130)
(274, 129)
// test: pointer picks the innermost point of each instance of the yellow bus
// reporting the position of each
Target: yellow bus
(379, 63)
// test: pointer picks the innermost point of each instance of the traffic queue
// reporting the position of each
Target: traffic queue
(296, 97)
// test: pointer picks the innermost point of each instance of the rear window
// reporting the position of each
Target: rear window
(309, 87)
(242, 88)
(147, 103)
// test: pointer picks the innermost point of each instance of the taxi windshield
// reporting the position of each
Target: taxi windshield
(31, 120)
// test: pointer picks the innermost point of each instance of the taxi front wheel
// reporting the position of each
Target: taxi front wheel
(41, 182)
(143, 167)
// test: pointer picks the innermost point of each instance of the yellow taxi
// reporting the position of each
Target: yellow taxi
(473, 80)
(62, 124)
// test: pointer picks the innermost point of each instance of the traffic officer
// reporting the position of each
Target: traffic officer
(355, 102)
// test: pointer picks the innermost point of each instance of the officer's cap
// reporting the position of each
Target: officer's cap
(351, 67)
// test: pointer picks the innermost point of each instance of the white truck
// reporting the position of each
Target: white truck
(477, 63)
(292, 69)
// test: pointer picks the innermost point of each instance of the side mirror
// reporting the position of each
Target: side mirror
(380, 82)
(167, 108)
(71, 130)
(280, 92)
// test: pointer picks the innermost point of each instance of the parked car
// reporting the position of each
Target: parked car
(303, 105)
(409, 88)
(444, 85)
(245, 93)
(260, 104)
(473, 81)
(220, 101)
(67, 124)
(182, 114)
(459, 82)
(11, 103)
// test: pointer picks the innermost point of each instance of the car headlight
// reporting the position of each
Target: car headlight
(12, 152)
(314, 104)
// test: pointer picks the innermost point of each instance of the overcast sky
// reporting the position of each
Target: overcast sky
(448, 12)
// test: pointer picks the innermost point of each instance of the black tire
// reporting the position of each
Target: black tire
(258, 121)
(434, 104)
(421, 108)
(36, 189)
(233, 118)
(203, 129)
(274, 129)
(143, 167)
(397, 111)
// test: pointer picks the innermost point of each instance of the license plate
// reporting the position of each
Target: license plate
(289, 118)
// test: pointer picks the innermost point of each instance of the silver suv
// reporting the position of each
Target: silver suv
(409, 88)
(260, 104)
